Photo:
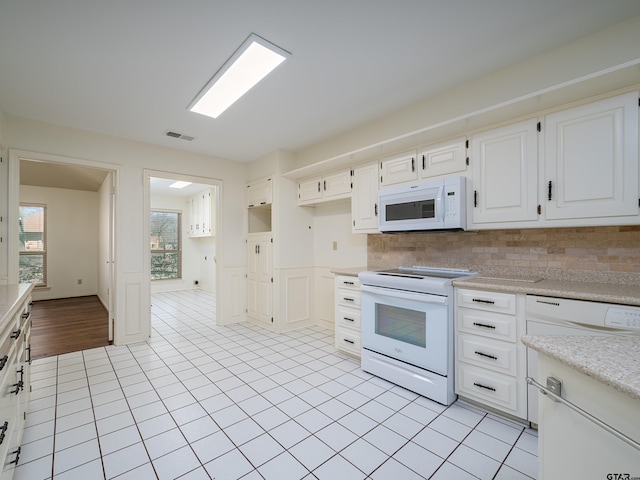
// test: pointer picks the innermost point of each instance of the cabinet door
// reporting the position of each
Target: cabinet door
(444, 158)
(591, 160)
(309, 190)
(504, 169)
(364, 199)
(196, 220)
(259, 278)
(337, 185)
(260, 193)
(398, 169)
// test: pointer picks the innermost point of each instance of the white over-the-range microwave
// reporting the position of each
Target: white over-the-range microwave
(428, 205)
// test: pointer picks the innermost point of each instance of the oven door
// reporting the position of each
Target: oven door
(412, 327)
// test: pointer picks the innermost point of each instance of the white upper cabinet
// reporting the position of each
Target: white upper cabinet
(591, 160)
(332, 186)
(504, 171)
(202, 214)
(399, 169)
(444, 158)
(260, 193)
(364, 199)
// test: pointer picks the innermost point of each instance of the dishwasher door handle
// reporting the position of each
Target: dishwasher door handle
(557, 398)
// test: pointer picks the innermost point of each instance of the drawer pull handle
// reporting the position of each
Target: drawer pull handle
(19, 386)
(347, 299)
(481, 300)
(3, 429)
(348, 319)
(349, 341)
(25, 315)
(16, 334)
(348, 283)
(484, 325)
(486, 355)
(17, 454)
(479, 385)
(3, 361)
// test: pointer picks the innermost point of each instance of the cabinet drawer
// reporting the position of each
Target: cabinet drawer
(487, 353)
(347, 282)
(487, 387)
(493, 325)
(348, 298)
(348, 317)
(348, 340)
(489, 301)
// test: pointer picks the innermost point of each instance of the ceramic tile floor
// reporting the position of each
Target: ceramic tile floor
(199, 401)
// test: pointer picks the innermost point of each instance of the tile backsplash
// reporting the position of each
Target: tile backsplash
(589, 254)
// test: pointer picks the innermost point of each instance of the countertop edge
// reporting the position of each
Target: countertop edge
(595, 292)
(581, 354)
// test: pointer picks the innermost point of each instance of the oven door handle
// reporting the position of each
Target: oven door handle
(404, 295)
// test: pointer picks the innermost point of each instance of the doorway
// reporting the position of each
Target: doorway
(182, 213)
(77, 239)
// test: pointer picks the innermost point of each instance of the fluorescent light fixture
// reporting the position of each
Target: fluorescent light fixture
(253, 61)
(179, 184)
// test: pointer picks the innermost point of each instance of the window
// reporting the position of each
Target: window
(166, 245)
(33, 244)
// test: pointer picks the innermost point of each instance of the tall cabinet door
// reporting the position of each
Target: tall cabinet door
(504, 166)
(259, 277)
(364, 199)
(591, 160)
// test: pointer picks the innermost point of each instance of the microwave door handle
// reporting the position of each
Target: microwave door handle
(440, 204)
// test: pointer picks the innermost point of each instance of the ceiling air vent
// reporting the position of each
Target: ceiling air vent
(179, 136)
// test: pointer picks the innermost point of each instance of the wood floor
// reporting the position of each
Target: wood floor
(68, 325)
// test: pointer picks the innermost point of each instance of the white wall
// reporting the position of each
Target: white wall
(3, 202)
(72, 240)
(568, 72)
(129, 159)
(333, 224)
(197, 253)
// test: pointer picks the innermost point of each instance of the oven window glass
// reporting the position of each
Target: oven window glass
(411, 210)
(402, 324)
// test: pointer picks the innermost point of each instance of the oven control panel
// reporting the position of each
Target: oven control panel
(623, 317)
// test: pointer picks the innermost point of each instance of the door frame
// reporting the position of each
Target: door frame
(213, 182)
(13, 203)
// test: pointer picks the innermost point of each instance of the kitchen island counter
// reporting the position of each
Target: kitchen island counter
(612, 360)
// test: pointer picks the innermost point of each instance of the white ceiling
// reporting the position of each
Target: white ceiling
(130, 69)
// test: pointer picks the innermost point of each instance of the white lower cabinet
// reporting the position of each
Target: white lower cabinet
(260, 278)
(347, 318)
(15, 332)
(490, 366)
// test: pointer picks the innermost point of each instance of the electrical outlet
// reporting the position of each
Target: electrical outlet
(335, 245)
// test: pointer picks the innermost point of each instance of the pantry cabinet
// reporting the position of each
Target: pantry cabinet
(260, 277)
(15, 360)
(201, 214)
(505, 174)
(591, 160)
(364, 199)
(332, 186)
(490, 365)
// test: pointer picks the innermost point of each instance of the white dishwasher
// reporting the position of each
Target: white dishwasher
(560, 316)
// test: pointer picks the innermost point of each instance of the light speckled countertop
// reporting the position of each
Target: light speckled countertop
(10, 298)
(613, 360)
(350, 271)
(594, 292)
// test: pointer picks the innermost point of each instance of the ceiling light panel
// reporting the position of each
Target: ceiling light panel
(179, 184)
(253, 61)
